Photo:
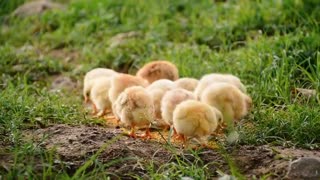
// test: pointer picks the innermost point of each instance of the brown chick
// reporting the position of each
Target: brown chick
(228, 99)
(158, 70)
(91, 76)
(189, 84)
(135, 109)
(194, 119)
(122, 81)
(99, 95)
(208, 79)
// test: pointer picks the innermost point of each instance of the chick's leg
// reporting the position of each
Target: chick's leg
(102, 113)
(175, 134)
(118, 122)
(185, 142)
(107, 111)
(182, 138)
(147, 134)
(175, 131)
(166, 127)
(94, 109)
(132, 133)
(86, 99)
(204, 142)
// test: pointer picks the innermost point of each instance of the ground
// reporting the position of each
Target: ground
(126, 157)
(46, 131)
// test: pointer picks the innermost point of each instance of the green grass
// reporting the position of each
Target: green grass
(273, 46)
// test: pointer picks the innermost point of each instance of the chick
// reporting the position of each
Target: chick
(194, 119)
(135, 109)
(157, 89)
(99, 95)
(228, 99)
(189, 84)
(158, 70)
(91, 76)
(119, 83)
(170, 100)
(163, 84)
(208, 79)
(122, 81)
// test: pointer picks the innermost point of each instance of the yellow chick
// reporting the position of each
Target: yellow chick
(163, 84)
(157, 89)
(119, 83)
(158, 70)
(208, 79)
(227, 98)
(99, 95)
(91, 76)
(122, 81)
(170, 100)
(135, 109)
(194, 119)
(189, 84)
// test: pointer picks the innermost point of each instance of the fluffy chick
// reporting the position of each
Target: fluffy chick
(122, 81)
(119, 83)
(163, 84)
(228, 99)
(189, 84)
(99, 95)
(158, 70)
(135, 108)
(194, 119)
(208, 79)
(170, 100)
(91, 76)
(157, 90)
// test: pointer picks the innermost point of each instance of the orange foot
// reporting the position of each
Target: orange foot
(176, 135)
(94, 109)
(181, 137)
(101, 113)
(147, 135)
(109, 117)
(166, 127)
(107, 111)
(206, 146)
(132, 133)
(118, 122)
(86, 99)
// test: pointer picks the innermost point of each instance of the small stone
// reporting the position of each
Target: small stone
(78, 69)
(227, 177)
(25, 49)
(186, 178)
(233, 137)
(304, 168)
(18, 68)
(63, 83)
(122, 38)
(36, 7)
(306, 92)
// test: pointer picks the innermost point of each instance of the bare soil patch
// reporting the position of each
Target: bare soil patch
(75, 144)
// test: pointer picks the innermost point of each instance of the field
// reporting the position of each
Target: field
(47, 132)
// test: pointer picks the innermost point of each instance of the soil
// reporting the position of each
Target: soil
(75, 144)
